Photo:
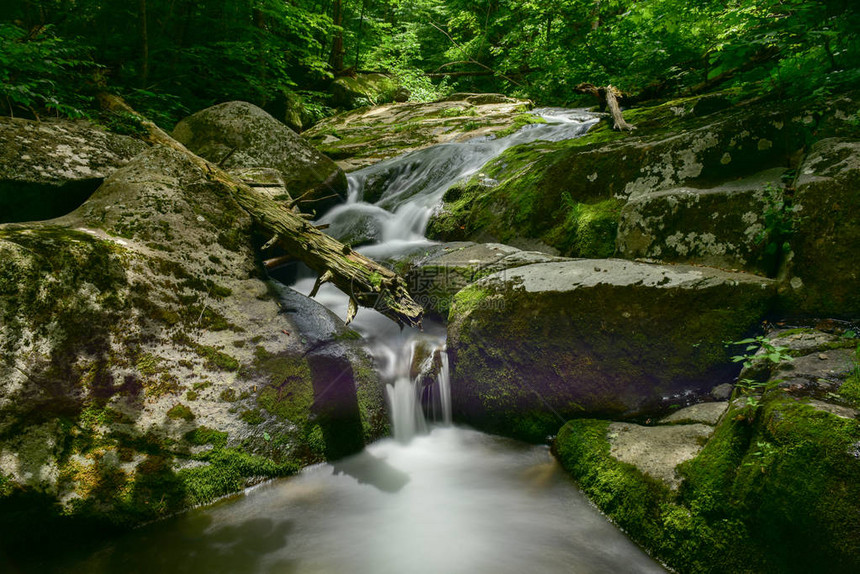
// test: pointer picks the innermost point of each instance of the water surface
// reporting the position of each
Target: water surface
(452, 501)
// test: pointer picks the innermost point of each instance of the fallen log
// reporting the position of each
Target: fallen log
(367, 283)
(608, 97)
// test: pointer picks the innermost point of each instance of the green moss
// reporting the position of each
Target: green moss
(180, 412)
(252, 416)
(149, 365)
(371, 401)
(228, 471)
(520, 122)
(348, 335)
(776, 489)
(228, 395)
(204, 435)
(217, 359)
(588, 230)
(470, 298)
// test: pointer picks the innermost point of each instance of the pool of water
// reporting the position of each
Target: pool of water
(452, 501)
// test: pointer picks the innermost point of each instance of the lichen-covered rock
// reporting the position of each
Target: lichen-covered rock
(146, 364)
(366, 136)
(551, 340)
(776, 488)
(569, 194)
(240, 135)
(825, 275)
(363, 90)
(49, 168)
(722, 226)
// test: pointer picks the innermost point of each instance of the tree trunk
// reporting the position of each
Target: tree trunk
(144, 36)
(337, 44)
(360, 34)
(366, 282)
(608, 97)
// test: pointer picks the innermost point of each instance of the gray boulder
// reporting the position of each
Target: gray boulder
(535, 345)
(825, 275)
(722, 226)
(49, 168)
(139, 342)
(240, 135)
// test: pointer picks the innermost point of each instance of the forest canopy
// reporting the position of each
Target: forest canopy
(168, 57)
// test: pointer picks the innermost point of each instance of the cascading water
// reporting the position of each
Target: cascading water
(405, 191)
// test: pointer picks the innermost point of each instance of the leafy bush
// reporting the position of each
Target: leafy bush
(42, 71)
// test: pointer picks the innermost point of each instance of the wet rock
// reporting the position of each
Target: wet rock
(593, 336)
(825, 277)
(239, 135)
(722, 226)
(722, 392)
(657, 451)
(49, 168)
(704, 413)
(822, 372)
(804, 340)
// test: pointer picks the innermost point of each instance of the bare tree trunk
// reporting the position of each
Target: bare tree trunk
(366, 282)
(144, 36)
(337, 44)
(360, 34)
(608, 97)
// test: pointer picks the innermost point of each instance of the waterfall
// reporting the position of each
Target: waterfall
(406, 190)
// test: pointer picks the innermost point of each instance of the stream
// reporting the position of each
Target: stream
(434, 498)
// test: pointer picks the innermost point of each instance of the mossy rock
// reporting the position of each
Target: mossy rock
(824, 278)
(776, 489)
(593, 336)
(240, 135)
(363, 137)
(723, 226)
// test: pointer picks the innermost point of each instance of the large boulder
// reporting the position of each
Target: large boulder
(147, 366)
(534, 345)
(240, 135)
(824, 271)
(49, 168)
(363, 90)
(723, 226)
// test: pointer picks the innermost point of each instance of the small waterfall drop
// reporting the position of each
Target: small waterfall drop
(405, 190)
